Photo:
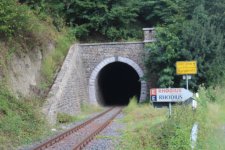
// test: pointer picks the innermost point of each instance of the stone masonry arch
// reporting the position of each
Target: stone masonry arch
(102, 64)
(76, 81)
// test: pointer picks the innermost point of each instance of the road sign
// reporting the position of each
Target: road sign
(170, 94)
(186, 67)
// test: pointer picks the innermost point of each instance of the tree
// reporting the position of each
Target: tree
(111, 19)
(195, 38)
(162, 56)
(204, 42)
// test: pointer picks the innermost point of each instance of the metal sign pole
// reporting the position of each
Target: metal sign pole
(187, 82)
(170, 109)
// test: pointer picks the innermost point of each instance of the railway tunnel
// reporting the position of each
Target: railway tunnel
(116, 83)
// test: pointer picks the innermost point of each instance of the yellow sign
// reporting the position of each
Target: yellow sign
(186, 67)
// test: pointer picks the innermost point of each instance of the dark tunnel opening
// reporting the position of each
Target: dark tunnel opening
(116, 84)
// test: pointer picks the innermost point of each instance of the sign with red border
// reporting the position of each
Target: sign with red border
(170, 94)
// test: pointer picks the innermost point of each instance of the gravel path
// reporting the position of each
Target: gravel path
(108, 139)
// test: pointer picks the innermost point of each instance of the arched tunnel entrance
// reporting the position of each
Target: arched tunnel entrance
(116, 83)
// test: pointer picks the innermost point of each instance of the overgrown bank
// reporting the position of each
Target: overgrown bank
(23, 35)
(151, 128)
(20, 120)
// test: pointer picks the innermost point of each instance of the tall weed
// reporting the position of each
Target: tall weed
(212, 135)
(150, 128)
(54, 60)
(20, 120)
(141, 121)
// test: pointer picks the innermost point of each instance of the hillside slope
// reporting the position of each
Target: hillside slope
(31, 52)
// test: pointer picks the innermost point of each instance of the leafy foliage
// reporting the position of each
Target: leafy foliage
(14, 18)
(149, 128)
(54, 60)
(162, 57)
(111, 19)
(64, 118)
(20, 121)
(195, 37)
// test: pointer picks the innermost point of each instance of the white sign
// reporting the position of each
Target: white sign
(170, 94)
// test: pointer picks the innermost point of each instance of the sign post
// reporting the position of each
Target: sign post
(170, 95)
(187, 82)
(186, 68)
(186, 77)
(170, 109)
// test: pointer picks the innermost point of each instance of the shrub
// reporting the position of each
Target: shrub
(149, 128)
(80, 31)
(14, 18)
(174, 133)
(196, 39)
(20, 120)
(54, 61)
(141, 120)
(64, 118)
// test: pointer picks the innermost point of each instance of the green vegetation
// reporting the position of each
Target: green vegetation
(54, 60)
(86, 110)
(215, 117)
(110, 19)
(20, 121)
(140, 121)
(65, 118)
(189, 32)
(113, 20)
(14, 19)
(151, 129)
(215, 133)
(21, 31)
(185, 30)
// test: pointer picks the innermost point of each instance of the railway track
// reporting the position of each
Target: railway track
(79, 136)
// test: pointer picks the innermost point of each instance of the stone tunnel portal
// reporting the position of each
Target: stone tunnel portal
(116, 79)
(117, 82)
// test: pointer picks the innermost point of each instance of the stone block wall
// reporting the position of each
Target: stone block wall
(93, 54)
(97, 55)
(69, 88)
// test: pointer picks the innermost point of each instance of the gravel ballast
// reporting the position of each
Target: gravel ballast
(109, 138)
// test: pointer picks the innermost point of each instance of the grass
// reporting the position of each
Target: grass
(63, 118)
(150, 128)
(105, 137)
(54, 60)
(140, 120)
(20, 121)
(215, 118)
(86, 110)
(216, 125)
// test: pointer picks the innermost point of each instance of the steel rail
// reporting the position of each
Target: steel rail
(84, 142)
(61, 136)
